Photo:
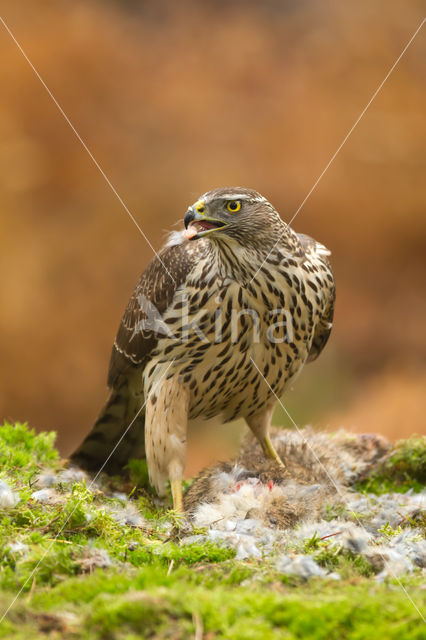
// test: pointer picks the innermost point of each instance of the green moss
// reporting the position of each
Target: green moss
(335, 558)
(408, 460)
(403, 470)
(23, 451)
(153, 604)
(138, 471)
(158, 587)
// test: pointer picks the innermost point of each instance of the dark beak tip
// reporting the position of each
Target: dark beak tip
(189, 217)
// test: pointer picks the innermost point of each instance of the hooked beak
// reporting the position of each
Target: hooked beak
(198, 224)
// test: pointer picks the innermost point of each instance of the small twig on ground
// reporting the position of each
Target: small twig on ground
(330, 535)
(198, 624)
(75, 544)
(31, 591)
(46, 526)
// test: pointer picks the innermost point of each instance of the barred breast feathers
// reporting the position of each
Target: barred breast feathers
(157, 286)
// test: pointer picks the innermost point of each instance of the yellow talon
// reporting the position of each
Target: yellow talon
(269, 450)
(177, 495)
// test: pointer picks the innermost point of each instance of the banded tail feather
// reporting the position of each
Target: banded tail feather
(118, 422)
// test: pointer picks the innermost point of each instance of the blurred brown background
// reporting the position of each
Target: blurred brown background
(174, 99)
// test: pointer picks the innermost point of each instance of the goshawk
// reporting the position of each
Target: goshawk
(219, 324)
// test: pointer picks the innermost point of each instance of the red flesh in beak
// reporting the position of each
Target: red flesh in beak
(198, 226)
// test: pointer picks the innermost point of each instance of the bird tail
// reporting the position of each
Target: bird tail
(117, 435)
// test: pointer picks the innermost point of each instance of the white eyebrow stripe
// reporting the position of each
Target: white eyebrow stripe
(239, 196)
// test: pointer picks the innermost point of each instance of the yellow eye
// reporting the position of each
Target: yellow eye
(233, 206)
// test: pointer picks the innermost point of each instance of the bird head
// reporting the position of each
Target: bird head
(232, 212)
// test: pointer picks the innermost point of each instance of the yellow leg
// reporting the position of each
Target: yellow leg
(269, 450)
(177, 495)
(260, 424)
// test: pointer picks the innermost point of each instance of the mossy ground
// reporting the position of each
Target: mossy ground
(150, 586)
(403, 470)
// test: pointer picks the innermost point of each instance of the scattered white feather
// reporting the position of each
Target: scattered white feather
(207, 514)
(396, 563)
(72, 475)
(47, 496)
(119, 495)
(128, 515)
(174, 238)
(93, 557)
(47, 479)
(237, 519)
(18, 547)
(8, 498)
(302, 566)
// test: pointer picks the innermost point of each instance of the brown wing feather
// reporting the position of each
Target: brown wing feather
(156, 286)
(324, 326)
(322, 332)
